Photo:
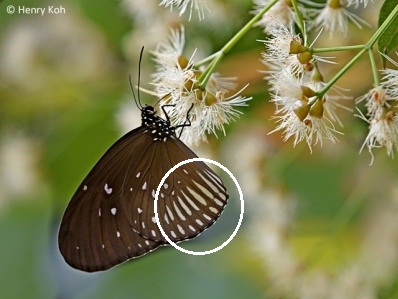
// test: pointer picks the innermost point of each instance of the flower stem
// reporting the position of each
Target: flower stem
(205, 76)
(336, 49)
(300, 21)
(374, 67)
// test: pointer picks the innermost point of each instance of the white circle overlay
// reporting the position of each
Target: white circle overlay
(241, 207)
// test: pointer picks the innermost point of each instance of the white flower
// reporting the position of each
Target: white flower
(334, 18)
(383, 132)
(183, 5)
(173, 71)
(278, 48)
(292, 126)
(390, 81)
(375, 99)
(286, 89)
(281, 14)
(381, 104)
(203, 111)
(330, 102)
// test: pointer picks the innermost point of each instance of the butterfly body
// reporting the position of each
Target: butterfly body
(110, 218)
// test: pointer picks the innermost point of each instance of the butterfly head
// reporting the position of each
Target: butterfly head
(157, 127)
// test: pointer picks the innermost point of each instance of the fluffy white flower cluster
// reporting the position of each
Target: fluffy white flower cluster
(333, 17)
(294, 80)
(176, 84)
(381, 104)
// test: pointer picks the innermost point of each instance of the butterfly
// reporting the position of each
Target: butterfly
(110, 218)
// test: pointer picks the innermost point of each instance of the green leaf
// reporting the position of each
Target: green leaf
(389, 40)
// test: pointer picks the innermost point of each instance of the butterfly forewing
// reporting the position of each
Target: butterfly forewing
(95, 233)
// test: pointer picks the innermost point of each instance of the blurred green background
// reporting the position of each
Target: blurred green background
(320, 225)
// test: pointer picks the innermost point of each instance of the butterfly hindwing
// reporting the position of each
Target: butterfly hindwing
(190, 200)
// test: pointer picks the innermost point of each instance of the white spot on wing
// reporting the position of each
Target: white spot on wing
(165, 186)
(209, 183)
(153, 233)
(192, 228)
(113, 211)
(146, 242)
(173, 234)
(166, 218)
(153, 220)
(85, 187)
(170, 213)
(143, 224)
(204, 190)
(138, 175)
(144, 186)
(182, 231)
(222, 196)
(107, 189)
(184, 206)
(198, 221)
(99, 212)
(218, 202)
(179, 214)
(197, 196)
(139, 210)
(207, 217)
(118, 234)
(186, 171)
(153, 193)
(214, 210)
(190, 201)
(215, 179)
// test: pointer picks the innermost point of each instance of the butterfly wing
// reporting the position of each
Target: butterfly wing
(191, 199)
(95, 233)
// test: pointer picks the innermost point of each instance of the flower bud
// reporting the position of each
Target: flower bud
(335, 4)
(199, 94)
(210, 99)
(308, 92)
(317, 109)
(316, 76)
(302, 112)
(183, 62)
(296, 47)
(304, 57)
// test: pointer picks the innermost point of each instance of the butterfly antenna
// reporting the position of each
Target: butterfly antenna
(139, 75)
(135, 98)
